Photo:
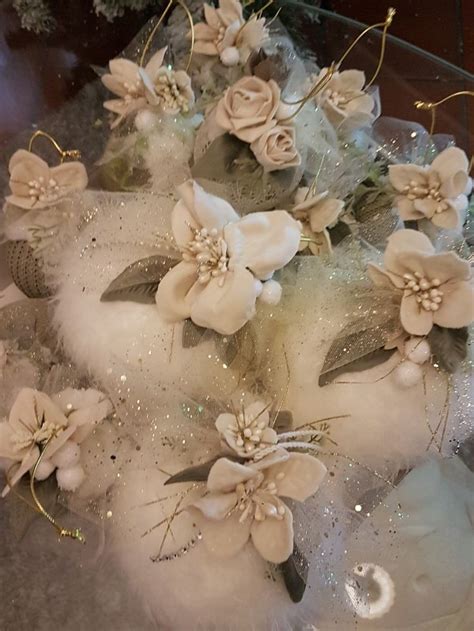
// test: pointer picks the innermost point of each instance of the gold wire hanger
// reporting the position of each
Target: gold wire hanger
(334, 66)
(147, 45)
(75, 533)
(73, 154)
(431, 107)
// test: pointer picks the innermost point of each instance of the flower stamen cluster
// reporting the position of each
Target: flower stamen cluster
(209, 251)
(427, 293)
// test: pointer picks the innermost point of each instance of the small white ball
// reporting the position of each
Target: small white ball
(67, 456)
(417, 350)
(45, 469)
(271, 292)
(230, 56)
(407, 374)
(145, 120)
(71, 478)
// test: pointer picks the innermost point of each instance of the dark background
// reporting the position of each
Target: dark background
(38, 73)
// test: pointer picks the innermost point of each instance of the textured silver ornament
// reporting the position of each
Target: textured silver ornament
(26, 270)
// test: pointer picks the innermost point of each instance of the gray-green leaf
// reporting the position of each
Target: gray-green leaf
(295, 574)
(139, 281)
(449, 346)
(199, 472)
(360, 339)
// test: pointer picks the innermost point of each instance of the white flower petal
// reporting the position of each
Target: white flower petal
(155, 63)
(124, 69)
(71, 175)
(264, 241)
(208, 210)
(351, 80)
(226, 307)
(399, 243)
(457, 308)
(224, 422)
(258, 409)
(223, 539)
(8, 449)
(30, 408)
(449, 162)
(302, 476)
(172, 295)
(454, 185)
(216, 505)
(415, 320)
(400, 175)
(225, 475)
(183, 224)
(273, 538)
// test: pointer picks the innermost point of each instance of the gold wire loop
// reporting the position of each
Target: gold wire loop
(73, 154)
(160, 22)
(334, 67)
(76, 533)
(431, 107)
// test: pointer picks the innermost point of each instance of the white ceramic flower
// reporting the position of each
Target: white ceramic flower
(316, 213)
(344, 98)
(247, 431)
(226, 34)
(36, 186)
(154, 84)
(225, 260)
(244, 501)
(276, 148)
(61, 422)
(170, 90)
(436, 192)
(248, 108)
(434, 288)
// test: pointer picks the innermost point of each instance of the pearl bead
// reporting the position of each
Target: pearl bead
(45, 469)
(417, 350)
(230, 56)
(67, 456)
(407, 374)
(71, 478)
(145, 120)
(271, 292)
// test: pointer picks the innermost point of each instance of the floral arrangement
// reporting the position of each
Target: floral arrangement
(241, 307)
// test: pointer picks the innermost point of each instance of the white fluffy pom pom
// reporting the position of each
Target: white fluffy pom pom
(271, 292)
(145, 120)
(230, 56)
(417, 350)
(408, 374)
(67, 456)
(45, 469)
(71, 478)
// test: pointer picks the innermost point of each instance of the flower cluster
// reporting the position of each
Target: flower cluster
(227, 35)
(227, 260)
(437, 192)
(36, 186)
(252, 110)
(344, 100)
(52, 427)
(433, 288)
(244, 498)
(316, 213)
(155, 85)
